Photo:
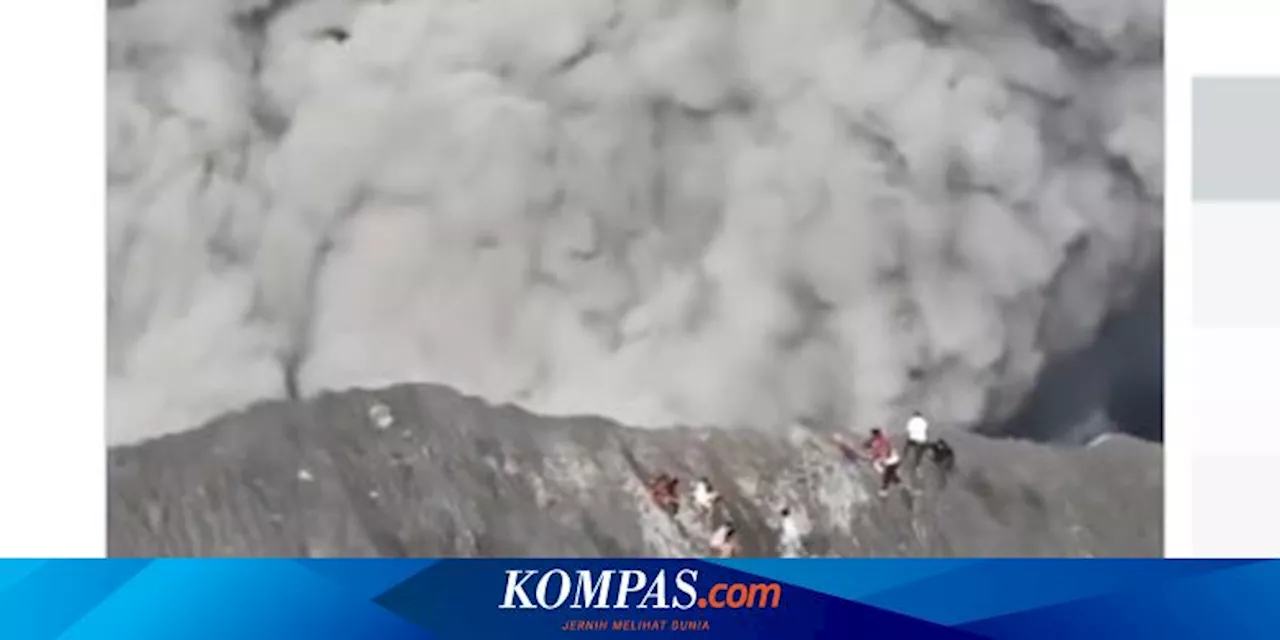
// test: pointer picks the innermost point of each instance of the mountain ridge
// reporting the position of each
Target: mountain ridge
(457, 477)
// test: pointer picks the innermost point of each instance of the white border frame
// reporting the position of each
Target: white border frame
(52, 281)
(52, 471)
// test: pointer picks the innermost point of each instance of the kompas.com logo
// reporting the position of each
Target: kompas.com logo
(613, 589)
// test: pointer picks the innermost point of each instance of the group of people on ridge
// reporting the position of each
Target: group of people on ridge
(664, 488)
(885, 459)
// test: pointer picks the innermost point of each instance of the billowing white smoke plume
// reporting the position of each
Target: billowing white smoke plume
(729, 212)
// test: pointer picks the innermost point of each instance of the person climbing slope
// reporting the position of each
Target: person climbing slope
(672, 491)
(917, 439)
(944, 457)
(705, 497)
(663, 489)
(724, 543)
(884, 459)
(790, 543)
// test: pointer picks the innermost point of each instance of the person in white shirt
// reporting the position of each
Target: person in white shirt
(917, 439)
(789, 542)
(705, 496)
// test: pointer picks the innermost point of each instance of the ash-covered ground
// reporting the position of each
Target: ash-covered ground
(455, 476)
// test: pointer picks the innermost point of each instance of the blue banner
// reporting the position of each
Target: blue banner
(467, 599)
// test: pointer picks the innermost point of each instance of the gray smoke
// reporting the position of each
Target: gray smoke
(1114, 384)
(734, 212)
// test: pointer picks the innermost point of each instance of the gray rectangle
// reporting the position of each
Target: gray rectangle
(1235, 139)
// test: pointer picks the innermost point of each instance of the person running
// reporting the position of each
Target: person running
(789, 541)
(943, 456)
(884, 459)
(663, 489)
(705, 496)
(673, 494)
(917, 439)
(724, 543)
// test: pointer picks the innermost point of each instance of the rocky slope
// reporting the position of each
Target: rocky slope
(454, 476)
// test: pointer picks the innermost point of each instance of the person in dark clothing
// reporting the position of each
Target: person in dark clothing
(944, 458)
(943, 455)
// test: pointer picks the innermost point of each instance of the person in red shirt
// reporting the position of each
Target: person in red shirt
(884, 459)
(664, 490)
